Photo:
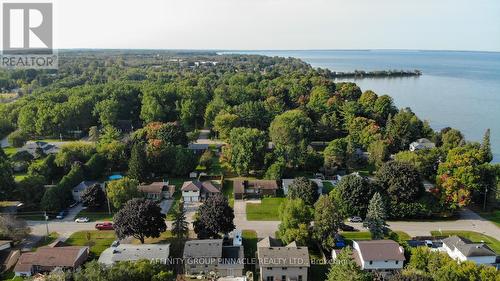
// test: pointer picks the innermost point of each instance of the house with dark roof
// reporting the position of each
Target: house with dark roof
(254, 188)
(48, 258)
(212, 255)
(380, 255)
(462, 249)
(81, 187)
(194, 191)
(277, 262)
(157, 190)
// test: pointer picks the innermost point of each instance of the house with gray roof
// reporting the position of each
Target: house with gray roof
(462, 249)
(81, 187)
(421, 144)
(278, 262)
(213, 257)
(380, 255)
(158, 253)
(194, 191)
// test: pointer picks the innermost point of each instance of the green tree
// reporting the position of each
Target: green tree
(401, 181)
(290, 134)
(275, 170)
(215, 217)
(108, 112)
(122, 190)
(180, 228)
(137, 165)
(451, 138)
(336, 153)
(354, 194)
(295, 218)
(7, 183)
(303, 188)
(74, 152)
(403, 128)
(93, 197)
(185, 161)
(246, 149)
(327, 221)
(140, 218)
(30, 190)
(486, 147)
(379, 153)
(375, 217)
(345, 268)
(224, 122)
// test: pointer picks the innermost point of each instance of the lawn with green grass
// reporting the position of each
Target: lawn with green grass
(327, 187)
(493, 216)
(398, 236)
(98, 240)
(267, 210)
(165, 238)
(96, 215)
(20, 176)
(10, 150)
(250, 247)
(473, 236)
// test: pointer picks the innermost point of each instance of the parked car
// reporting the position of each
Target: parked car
(355, 219)
(61, 215)
(346, 227)
(104, 226)
(82, 219)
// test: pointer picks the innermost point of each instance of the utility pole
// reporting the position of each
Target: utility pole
(47, 224)
(107, 197)
(485, 198)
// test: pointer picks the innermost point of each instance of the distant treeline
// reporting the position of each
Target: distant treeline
(377, 73)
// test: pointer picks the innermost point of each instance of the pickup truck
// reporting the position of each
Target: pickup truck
(104, 226)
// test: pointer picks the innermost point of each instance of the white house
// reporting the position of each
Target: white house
(194, 191)
(461, 249)
(158, 253)
(77, 190)
(380, 255)
(421, 144)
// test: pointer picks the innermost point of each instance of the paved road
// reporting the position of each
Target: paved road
(468, 221)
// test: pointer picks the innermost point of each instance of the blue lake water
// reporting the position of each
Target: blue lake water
(457, 89)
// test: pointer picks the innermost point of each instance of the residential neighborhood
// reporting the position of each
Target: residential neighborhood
(274, 172)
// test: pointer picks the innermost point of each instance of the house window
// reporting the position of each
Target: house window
(397, 262)
(283, 268)
(269, 268)
(300, 278)
(283, 277)
(270, 278)
(371, 262)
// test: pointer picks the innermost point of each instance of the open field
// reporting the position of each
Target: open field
(267, 210)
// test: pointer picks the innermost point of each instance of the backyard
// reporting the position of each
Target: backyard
(177, 196)
(267, 210)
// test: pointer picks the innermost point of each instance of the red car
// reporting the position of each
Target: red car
(104, 226)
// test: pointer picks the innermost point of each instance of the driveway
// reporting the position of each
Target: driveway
(191, 208)
(73, 212)
(165, 205)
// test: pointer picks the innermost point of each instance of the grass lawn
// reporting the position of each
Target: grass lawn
(228, 191)
(397, 236)
(177, 196)
(493, 216)
(10, 275)
(473, 236)
(367, 170)
(165, 237)
(46, 240)
(327, 187)
(96, 215)
(267, 210)
(20, 176)
(98, 240)
(10, 150)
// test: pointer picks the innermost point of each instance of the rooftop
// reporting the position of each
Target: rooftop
(377, 250)
(130, 252)
(468, 248)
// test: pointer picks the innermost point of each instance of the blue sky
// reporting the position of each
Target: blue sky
(278, 24)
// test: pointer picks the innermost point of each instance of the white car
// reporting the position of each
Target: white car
(83, 219)
(355, 219)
